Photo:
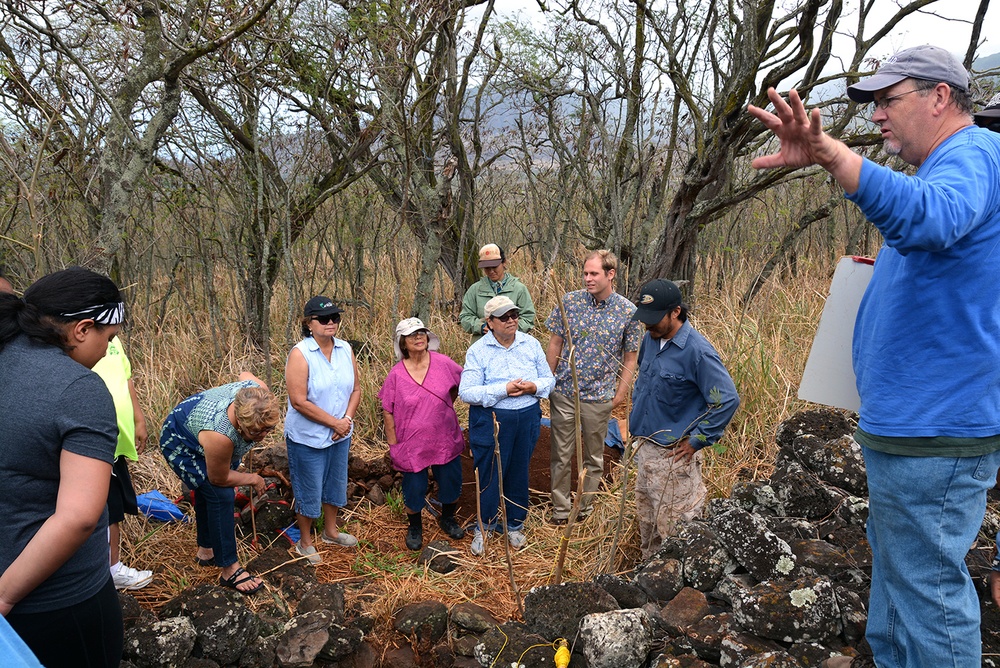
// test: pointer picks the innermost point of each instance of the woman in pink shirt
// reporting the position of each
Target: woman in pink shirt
(421, 426)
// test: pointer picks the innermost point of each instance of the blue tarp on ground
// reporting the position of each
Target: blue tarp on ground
(612, 440)
(158, 507)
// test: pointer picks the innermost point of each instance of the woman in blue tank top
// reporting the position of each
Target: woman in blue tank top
(323, 395)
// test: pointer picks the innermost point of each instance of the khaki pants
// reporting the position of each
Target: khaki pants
(666, 493)
(594, 425)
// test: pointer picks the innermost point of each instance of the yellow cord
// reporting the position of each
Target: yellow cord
(505, 639)
(561, 646)
(562, 653)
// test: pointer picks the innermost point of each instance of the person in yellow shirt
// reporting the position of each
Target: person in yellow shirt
(116, 371)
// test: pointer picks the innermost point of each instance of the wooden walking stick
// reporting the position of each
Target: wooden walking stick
(575, 507)
(479, 509)
(503, 515)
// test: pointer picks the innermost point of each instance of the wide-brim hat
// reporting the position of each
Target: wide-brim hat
(930, 63)
(990, 115)
(498, 306)
(410, 326)
(656, 299)
(321, 305)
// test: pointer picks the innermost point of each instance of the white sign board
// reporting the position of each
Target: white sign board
(829, 375)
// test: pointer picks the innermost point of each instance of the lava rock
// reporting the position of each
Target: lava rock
(753, 545)
(737, 647)
(472, 617)
(826, 423)
(513, 642)
(167, 643)
(685, 609)
(624, 592)
(325, 596)
(303, 638)
(439, 556)
(704, 559)
(426, 621)
(555, 611)
(661, 579)
(789, 610)
(616, 639)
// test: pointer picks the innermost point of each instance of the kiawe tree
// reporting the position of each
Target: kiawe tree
(645, 105)
(101, 80)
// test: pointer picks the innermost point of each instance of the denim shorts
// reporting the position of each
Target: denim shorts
(319, 475)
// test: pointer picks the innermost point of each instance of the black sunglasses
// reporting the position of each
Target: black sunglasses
(507, 317)
(327, 319)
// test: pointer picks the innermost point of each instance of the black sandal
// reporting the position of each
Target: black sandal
(233, 583)
(205, 562)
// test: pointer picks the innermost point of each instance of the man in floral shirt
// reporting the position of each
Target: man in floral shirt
(606, 340)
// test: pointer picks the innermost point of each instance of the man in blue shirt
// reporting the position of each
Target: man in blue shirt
(682, 401)
(926, 345)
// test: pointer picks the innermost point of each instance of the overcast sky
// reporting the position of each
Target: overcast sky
(925, 28)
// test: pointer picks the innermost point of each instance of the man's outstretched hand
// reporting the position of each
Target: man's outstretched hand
(803, 142)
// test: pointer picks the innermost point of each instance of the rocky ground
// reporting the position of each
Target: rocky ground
(775, 575)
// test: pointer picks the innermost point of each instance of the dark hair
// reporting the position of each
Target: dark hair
(37, 314)
(503, 256)
(306, 332)
(683, 315)
(962, 99)
(402, 342)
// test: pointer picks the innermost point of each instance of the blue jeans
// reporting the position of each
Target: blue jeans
(319, 475)
(925, 513)
(449, 480)
(519, 430)
(213, 515)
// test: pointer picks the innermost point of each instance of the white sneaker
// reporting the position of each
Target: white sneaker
(478, 544)
(129, 578)
(310, 553)
(516, 538)
(342, 539)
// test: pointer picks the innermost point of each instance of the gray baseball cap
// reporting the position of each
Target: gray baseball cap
(931, 63)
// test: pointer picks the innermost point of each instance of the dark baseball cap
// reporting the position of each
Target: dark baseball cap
(930, 63)
(321, 305)
(656, 299)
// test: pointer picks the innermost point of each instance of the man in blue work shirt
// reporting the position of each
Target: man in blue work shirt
(682, 401)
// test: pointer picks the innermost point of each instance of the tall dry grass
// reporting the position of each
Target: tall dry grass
(764, 346)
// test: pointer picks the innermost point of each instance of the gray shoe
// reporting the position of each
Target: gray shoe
(342, 539)
(478, 544)
(310, 553)
(516, 538)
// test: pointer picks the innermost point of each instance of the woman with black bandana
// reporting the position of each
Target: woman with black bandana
(57, 442)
